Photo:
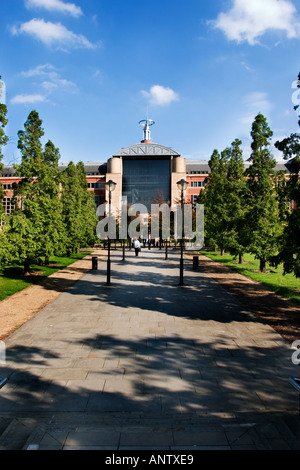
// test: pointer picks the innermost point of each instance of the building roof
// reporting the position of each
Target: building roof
(8, 171)
(145, 150)
(94, 168)
(154, 150)
(196, 166)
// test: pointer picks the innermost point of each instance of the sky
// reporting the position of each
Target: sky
(201, 70)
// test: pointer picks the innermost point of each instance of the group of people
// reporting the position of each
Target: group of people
(137, 244)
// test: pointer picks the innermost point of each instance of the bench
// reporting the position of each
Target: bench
(3, 382)
(296, 385)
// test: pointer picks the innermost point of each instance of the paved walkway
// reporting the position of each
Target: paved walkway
(145, 363)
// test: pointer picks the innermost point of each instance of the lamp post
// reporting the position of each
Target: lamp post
(110, 187)
(182, 185)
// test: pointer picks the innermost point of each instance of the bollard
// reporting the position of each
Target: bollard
(94, 263)
(195, 262)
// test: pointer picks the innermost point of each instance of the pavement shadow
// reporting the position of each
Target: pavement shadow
(162, 374)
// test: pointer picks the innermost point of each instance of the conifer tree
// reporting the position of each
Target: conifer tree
(3, 141)
(214, 200)
(263, 220)
(36, 229)
(25, 226)
(236, 201)
(49, 179)
(79, 208)
(289, 252)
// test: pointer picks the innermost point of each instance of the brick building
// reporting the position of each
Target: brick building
(145, 173)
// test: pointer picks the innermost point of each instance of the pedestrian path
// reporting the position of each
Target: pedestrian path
(144, 363)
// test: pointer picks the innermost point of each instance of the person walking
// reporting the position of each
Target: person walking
(137, 247)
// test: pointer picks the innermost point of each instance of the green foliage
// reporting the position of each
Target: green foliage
(35, 229)
(289, 253)
(224, 200)
(214, 201)
(79, 209)
(263, 221)
(55, 213)
(3, 141)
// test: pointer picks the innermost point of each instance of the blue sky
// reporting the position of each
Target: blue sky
(204, 70)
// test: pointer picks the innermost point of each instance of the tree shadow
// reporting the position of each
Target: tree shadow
(193, 369)
(167, 374)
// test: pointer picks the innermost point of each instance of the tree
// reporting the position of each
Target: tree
(263, 221)
(89, 219)
(3, 141)
(236, 201)
(289, 252)
(79, 208)
(35, 228)
(50, 204)
(224, 201)
(214, 200)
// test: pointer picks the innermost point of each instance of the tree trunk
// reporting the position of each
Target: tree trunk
(262, 265)
(26, 265)
(241, 258)
(222, 252)
(47, 261)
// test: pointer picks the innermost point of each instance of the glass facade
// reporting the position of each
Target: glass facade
(147, 181)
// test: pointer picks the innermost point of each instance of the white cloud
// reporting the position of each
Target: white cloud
(28, 99)
(160, 96)
(48, 80)
(256, 102)
(55, 5)
(250, 20)
(53, 34)
(45, 70)
(52, 81)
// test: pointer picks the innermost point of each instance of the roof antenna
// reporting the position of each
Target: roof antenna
(146, 124)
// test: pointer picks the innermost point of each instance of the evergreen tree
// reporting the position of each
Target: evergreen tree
(35, 228)
(289, 252)
(79, 208)
(263, 220)
(236, 201)
(224, 201)
(214, 200)
(3, 141)
(89, 219)
(25, 225)
(49, 179)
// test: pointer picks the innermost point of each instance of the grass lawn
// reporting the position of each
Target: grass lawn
(287, 286)
(12, 279)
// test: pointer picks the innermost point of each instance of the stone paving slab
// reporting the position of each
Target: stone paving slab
(145, 345)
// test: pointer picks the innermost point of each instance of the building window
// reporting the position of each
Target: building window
(97, 201)
(146, 181)
(94, 185)
(6, 186)
(194, 200)
(8, 206)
